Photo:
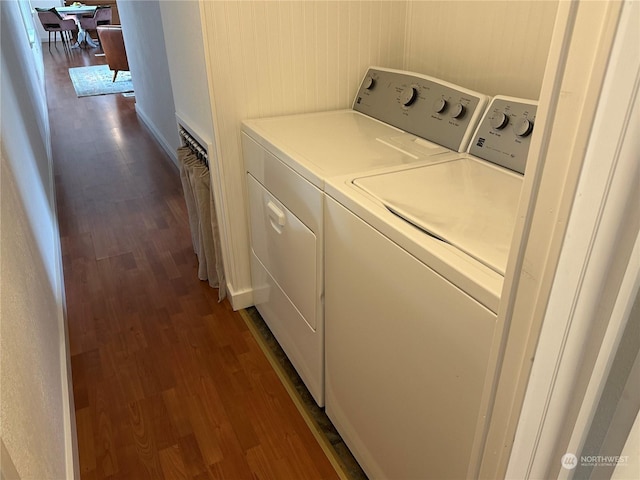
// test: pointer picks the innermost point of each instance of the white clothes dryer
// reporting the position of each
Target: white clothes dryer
(397, 118)
(414, 265)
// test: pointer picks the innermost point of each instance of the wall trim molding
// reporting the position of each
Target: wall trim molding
(240, 298)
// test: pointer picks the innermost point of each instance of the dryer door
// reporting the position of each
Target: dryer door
(286, 248)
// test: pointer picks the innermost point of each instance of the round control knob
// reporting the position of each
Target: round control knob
(458, 110)
(523, 127)
(369, 82)
(408, 96)
(500, 120)
(440, 105)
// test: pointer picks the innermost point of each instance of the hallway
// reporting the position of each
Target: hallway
(168, 383)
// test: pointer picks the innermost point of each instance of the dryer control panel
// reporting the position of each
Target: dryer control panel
(504, 133)
(432, 109)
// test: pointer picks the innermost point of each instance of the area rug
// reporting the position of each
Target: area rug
(96, 80)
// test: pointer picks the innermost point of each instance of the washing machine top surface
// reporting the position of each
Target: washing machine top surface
(377, 199)
(465, 202)
(470, 201)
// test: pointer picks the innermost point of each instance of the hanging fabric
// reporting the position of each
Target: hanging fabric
(205, 234)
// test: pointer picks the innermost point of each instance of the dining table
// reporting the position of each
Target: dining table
(75, 12)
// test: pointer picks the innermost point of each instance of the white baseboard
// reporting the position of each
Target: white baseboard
(157, 135)
(241, 298)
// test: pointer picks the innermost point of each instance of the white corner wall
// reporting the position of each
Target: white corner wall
(36, 404)
(185, 54)
(145, 43)
(494, 47)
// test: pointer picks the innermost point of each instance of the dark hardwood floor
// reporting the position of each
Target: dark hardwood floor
(168, 383)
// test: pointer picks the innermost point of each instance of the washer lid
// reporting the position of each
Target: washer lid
(466, 202)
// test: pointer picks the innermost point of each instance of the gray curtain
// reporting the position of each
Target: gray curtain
(205, 234)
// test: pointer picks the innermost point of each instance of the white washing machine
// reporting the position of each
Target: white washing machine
(397, 118)
(414, 266)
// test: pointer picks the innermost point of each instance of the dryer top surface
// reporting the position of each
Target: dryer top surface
(327, 144)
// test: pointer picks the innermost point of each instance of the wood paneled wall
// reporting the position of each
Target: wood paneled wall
(495, 47)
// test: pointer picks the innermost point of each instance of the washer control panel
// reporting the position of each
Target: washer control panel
(504, 133)
(432, 109)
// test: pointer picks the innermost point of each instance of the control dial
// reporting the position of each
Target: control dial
(499, 120)
(369, 82)
(523, 127)
(458, 110)
(408, 96)
(440, 105)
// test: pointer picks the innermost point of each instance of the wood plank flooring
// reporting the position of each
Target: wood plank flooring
(168, 383)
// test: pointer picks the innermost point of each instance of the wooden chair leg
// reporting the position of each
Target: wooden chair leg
(115, 74)
(49, 41)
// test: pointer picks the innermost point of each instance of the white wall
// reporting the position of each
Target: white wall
(185, 52)
(494, 47)
(38, 430)
(144, 39)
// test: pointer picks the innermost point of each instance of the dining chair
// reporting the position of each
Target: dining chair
(101, 16)
(52, 22)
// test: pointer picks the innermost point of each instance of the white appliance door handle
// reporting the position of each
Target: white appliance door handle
(276, 216)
